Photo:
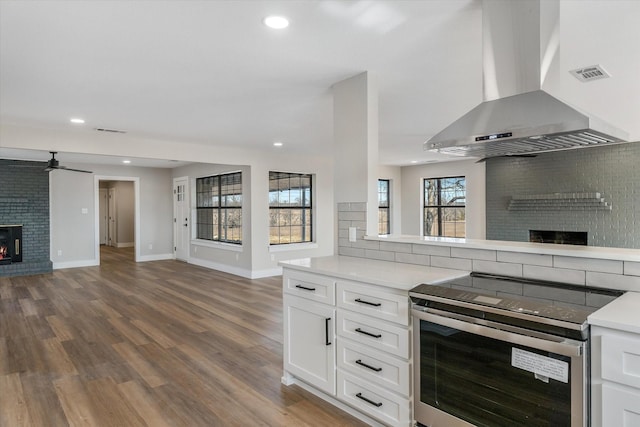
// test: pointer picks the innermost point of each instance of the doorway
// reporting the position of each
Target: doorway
(117, 215)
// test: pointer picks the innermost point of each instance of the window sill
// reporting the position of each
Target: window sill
(217, 245)
(292, 247)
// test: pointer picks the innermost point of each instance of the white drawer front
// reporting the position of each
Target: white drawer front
(310, 286)
(375, 366)
(375, 333)
(621, 360)
(374, 301)
(374, 401)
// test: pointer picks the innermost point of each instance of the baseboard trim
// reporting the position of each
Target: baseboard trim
(270, 272)
(125, 245)
(155, 257)
(75, 264)
(242, 272)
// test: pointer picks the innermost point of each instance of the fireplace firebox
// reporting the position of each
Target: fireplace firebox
(560, 237)
(10, 244)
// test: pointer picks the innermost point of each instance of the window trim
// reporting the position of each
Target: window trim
(295, 245)
(439, 206)
(388, 207)
(220, 208)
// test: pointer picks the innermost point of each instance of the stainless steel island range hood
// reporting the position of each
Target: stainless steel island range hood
(520, 40)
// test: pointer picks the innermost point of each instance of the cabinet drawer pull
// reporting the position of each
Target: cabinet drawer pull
(360, 396)
(361, 363)
(368, 333)
(305, 288)
(326, 331)
(375, 304)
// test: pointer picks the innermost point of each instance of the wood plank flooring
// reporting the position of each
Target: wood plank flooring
(155, 344)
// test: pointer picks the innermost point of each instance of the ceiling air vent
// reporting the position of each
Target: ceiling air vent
(110, 130)
(587, 74)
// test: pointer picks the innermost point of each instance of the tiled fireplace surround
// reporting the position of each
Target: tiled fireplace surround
(604, 273)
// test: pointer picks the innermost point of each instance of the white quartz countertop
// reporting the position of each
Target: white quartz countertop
(623, 314)
(619, 254)
(390, 274)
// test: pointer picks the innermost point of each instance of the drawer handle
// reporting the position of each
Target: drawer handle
(377, 404)
(305, 288)
(368, 333)
(326, 331)
(361, 363)
(375, 304)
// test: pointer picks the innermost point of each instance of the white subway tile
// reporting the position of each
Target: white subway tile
(366, 244)
(413, 258)
(588, 264)
(482, 254)
(455, 263)
(380, 255)
(352, 216)
(524, 258)
(395, 247)
(613, 281)
(632, 268)
(355, 252)
(444, 251)
(501, 268)
(574, 277)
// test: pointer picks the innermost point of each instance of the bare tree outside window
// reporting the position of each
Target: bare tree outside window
(445, 207)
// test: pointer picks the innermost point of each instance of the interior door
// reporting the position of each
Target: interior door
(112, 217)
(103, 215)
(181, 226)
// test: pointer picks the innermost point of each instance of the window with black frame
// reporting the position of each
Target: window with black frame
(219, 208)
(444, 209)
(290, 208)
(384, 225)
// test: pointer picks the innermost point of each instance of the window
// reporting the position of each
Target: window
(219, 208)
(383, 207)
(444, 207)
(290, 216)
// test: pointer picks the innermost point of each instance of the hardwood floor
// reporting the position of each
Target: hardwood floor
(155, 344)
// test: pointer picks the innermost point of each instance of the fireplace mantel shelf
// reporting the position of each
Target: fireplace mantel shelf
(559, 201)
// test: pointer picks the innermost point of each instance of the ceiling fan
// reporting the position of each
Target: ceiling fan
(53, 164)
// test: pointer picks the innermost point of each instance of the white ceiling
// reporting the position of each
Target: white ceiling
(210, 72)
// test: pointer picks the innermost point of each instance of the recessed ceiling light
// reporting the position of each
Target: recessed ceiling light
(126, 161)
(276, 22)
(278, 144)
(77, 120)
(414, 161)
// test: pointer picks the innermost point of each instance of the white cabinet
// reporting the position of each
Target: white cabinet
(615, 378)
(350, 340)
(309, 333)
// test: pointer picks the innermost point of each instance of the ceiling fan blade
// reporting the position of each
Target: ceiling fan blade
(73, 170)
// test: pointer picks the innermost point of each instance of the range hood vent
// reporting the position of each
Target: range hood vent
(518, 117)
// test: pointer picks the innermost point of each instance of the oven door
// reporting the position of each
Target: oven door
(468, 372)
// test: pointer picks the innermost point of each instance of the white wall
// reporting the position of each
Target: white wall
(125, 211)
(73, 232)
(412, 178)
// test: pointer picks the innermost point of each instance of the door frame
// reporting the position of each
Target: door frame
(136, 219)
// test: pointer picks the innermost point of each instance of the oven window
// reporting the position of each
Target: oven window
(472, 377)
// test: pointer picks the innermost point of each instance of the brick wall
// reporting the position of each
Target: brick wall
(24, 200)
(610, 170)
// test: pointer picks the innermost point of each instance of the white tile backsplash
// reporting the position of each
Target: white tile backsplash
(444, 251)
(616, 281)
(455, 263)
(632, 268)
(413, 258)
(483, 254)
(599, 265)
(523, 258)
(561, 275)
(501, 268)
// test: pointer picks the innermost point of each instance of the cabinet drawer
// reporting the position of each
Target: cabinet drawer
(374, 401)
(620, 359)
(380, 335)
(310, 286)
(374, 301)
(375, 366)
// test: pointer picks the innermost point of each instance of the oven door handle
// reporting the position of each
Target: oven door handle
(565, 347)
